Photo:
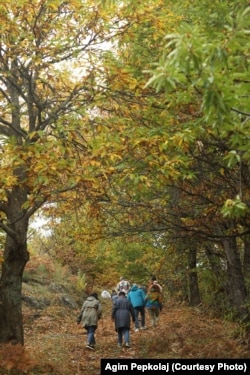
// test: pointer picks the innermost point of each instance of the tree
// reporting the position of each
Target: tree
(169, 159)
(125, 120)
(214, 72)
(49, 58)
(193, 139)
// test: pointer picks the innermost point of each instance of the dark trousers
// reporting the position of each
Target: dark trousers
(139, 310)
(123, 333)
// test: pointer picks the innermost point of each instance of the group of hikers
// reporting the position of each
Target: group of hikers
(129, 302)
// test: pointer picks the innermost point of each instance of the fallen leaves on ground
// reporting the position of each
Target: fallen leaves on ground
(58, 344)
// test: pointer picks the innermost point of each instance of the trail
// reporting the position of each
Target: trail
(58, 343)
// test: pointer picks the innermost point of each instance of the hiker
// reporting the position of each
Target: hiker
(121, 314)
(154, 282)
(154, 304)
(143, 288)
(90, 313)
(123, 285)
(114, 294)
(105, 294)
(137, 297)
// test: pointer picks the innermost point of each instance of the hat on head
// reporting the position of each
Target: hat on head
(121, 278)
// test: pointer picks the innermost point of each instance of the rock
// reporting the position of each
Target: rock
(36, 303)
(68, 301)
(57, 288)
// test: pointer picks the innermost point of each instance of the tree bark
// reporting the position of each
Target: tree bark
(194, 291)
(15, 259)
(236, 283)
(215, 261)
(246, 261)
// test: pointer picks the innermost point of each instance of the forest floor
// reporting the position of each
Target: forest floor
(55, 344)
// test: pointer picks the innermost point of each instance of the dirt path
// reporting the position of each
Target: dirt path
(58, 343)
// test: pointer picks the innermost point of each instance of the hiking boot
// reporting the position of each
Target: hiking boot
(144, 327)
(127, 345)
(91, 347)
(136, 329)
(119, 345)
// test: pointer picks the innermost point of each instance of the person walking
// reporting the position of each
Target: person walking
(154, 304)
(114, 294)
(143, 287)
(123, 285)
(154, 282)
(137, 297)
(90, 313)
(121, 314)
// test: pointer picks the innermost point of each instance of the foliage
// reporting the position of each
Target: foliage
(213, 69)
(81, 281)
(172, 158)
(52, 104)
(128, 123)
(234, 208)
(50, 53)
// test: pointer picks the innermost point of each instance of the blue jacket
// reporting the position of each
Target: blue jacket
(136, 296)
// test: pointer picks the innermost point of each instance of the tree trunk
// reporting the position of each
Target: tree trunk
(236, 283)
(246, 261)
(194, 291)
(215, 262)
(15, 259)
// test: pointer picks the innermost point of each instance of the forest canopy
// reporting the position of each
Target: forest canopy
(127, 124)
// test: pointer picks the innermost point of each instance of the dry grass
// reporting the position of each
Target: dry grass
(55, 344)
